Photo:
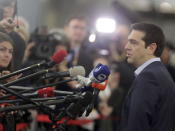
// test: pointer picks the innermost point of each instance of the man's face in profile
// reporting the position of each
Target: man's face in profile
(76, 30)
(135, 48)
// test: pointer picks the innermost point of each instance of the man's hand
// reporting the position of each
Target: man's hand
(8, 24)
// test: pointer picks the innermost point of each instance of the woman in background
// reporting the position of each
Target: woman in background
(8, 10)
(6, 66)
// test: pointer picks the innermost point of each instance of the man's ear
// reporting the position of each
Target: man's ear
(152, 48)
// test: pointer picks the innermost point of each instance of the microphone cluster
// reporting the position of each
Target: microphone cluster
(72, 103)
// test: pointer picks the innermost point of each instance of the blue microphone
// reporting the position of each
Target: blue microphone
(100, 73)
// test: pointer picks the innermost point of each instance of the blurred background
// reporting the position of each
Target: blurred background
(92, 32)
(54, 13)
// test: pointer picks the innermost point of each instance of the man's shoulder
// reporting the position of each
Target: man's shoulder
(156, 72)
(154, 68)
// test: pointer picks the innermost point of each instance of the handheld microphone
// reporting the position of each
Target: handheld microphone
(47, 92)
(98, 75)
(55, 59)
(20, 88)
(99, 86)
(69, 99)
(41, 87)
(77, 109)
(72, 72)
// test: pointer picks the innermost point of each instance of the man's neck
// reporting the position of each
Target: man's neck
(145, 64)
(144, 60)
(75, 44)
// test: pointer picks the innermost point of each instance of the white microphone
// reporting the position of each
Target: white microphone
(72, 72)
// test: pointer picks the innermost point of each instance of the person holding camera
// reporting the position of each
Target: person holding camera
(7, 25)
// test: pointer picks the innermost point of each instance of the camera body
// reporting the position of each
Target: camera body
(44, 46)
(46, 43)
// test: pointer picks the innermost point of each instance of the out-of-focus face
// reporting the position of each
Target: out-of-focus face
(76, 31)
(114, 79)
(6, 51)
(8, 11)
(136, 52)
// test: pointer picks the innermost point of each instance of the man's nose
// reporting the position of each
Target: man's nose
(127, 46)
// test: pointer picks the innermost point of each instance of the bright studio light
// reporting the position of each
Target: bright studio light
(166, 7)
(92, 37)
(105, 25)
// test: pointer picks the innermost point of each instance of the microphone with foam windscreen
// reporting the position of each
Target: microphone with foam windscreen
(72, 72)
(57, 58)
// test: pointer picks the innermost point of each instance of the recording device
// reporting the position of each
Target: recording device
(57, 58)
(78, 108)
(72, 72)
(98, 75)
(45, 43)
(10, 21)
(41, 87)
(84, 99)
(47, 92)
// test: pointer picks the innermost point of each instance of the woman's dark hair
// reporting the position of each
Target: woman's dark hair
(6, 38)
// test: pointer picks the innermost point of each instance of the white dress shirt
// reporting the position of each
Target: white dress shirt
(144, 65)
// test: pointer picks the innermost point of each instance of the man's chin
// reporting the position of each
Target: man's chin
(129, 61)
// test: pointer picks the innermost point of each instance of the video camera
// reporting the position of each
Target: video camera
(45, 42)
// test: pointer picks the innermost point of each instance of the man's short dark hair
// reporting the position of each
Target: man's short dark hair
(153, 34)
(81, 18)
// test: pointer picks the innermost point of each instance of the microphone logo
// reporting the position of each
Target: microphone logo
(102, 77)
(100, 73)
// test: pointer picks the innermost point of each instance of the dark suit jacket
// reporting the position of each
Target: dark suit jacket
(150, 103)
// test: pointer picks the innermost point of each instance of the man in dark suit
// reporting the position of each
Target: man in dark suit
(150, 103)
(81, 52)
